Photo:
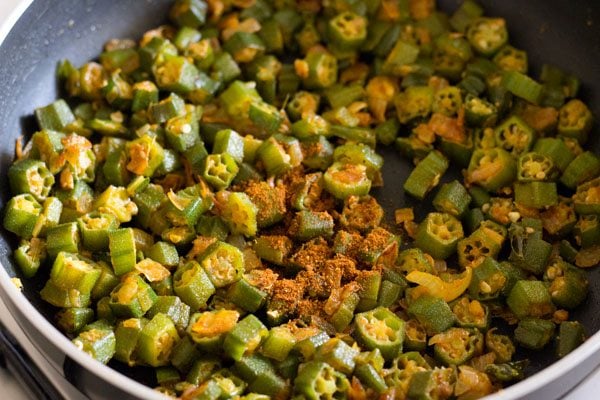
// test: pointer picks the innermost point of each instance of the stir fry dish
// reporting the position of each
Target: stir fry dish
(202, 201)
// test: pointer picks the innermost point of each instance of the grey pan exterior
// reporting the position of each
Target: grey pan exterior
(45, 31)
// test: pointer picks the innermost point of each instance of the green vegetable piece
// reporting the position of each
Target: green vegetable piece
(189, 13)
(438, 235)
(317, 380)
(223, 263)
(514, 135)
(244, 338)
(132, 297)
(534, 333)
(208, 329)
(219, 170)
(433, 313)
(63, 237)
(98, 340)
(72, 320)
(571, 334)
(318, 70)
(156, 341)
(575, 120)
(536, 194)
(30, 176)
(487, 35)
(380, 329)
(492, 168)
(172, 307)
(21, 215)
(522, 86)
(145, 156)
(56, 116)
(308, 225)
(530, 299)
(245, 295)
(426, 175)
(456, 346)
(583, 168)
(452, 198)
(121, 243)
(344, 179)
(192, 284)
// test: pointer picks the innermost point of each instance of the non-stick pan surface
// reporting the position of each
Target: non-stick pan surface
(564, 33)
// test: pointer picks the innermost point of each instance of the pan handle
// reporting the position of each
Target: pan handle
(24, 369)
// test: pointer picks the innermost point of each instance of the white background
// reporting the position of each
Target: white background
(589, 389)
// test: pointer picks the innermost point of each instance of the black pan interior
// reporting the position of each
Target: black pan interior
(554, 31)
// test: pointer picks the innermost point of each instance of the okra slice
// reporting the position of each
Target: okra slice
(457, 345)
(127, 333)
(278, 344)
(247, 296)
(514, 135)
(121, 244)
(380, 329)
(471, 313)
(63, 237)
(452, 198)
(488, 280)
(415, 102)
(157, 340)
(244, 46)
(172, 307)
(436, 383)
(279, 154)
(491, 169)
(318, 70)
(575, 120)
(72, 320)
(439, 234)
(74, 272)
(29, 256)
(30, 176)
(433, 313)
(219, 170)
(244, 338)
(343, 180)
(192, 284)
(583, 168)
(338, 354)
(530, 299)
(132, 297)
(570, 335)
(501, 345)
(208, 329)
(426, 175)
(98, 340)
(223, 263)
(240, 214)
(308, 225)
(116, 200)
(94, 228)
(317, 380)
(145, 156)
(568, 285)
(21, 215)
(229, 141)
(487, 35)
(586, 199)
(536, 194)
(534, 333)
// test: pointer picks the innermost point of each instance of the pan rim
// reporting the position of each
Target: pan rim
(9, 293)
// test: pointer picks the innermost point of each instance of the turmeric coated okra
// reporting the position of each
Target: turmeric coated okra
(200, 202)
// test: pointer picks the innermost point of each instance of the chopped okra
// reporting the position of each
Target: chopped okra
(204, 202)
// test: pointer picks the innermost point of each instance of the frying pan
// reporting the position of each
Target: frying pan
(563, 33)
